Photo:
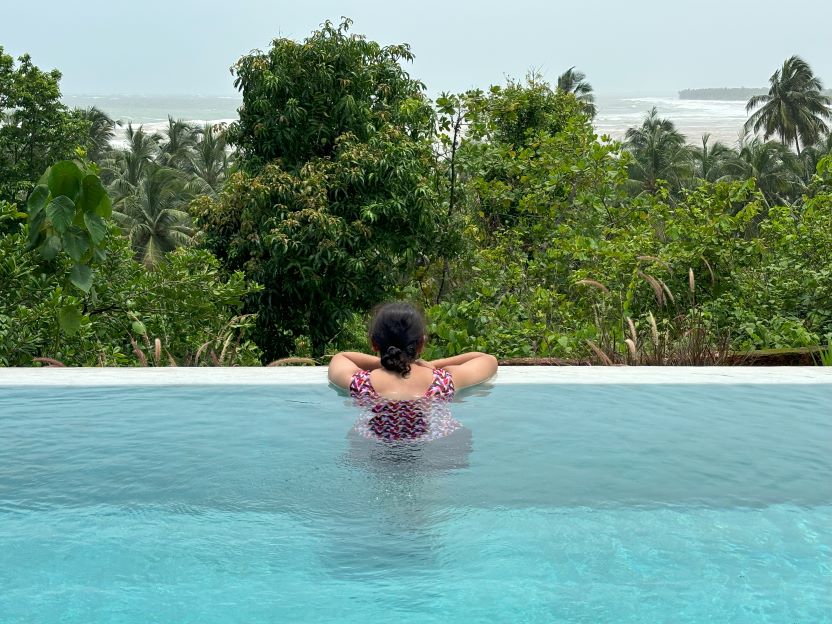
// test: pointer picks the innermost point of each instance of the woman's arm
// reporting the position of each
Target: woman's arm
(456, 360)
(344, 365)
(475, 368)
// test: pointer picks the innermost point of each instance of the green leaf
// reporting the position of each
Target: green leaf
(51, 247)
(92, 193)
(61, 211)
(35, 222)
(37, 199)
(69, 318)
(81, 276)
(65, 179)
(104, 209)
(139, 327)
(76, 243)
(96, 227)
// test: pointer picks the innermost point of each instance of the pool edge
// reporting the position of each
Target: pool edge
(259, 376)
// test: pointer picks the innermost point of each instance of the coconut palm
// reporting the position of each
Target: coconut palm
(713, 162)
(813, 154)
(209, 160)
(574, 82)
(179, 138)
(125, 168)
(795, 109)
(101, 133)
(658, 153)
(151, 217)
(774, 166)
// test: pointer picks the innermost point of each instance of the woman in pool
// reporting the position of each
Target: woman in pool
(403, 394)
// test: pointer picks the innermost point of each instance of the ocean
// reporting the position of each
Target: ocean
(616, 113)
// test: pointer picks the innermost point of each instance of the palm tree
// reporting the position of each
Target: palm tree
(125, 169)
(101, 133)
(713, 162)
(209, 160)
(811, 156)
(574, 82)
(658, 153)
(179, 139)
(151, 217)
(774, 166)
(794, 108)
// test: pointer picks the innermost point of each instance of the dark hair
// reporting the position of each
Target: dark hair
(397, 331)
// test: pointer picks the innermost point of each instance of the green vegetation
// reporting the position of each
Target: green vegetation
(795, 108)
(500, 211)
(335, 199)
(36, 130)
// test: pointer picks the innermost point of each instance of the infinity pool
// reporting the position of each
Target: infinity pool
(590, 496)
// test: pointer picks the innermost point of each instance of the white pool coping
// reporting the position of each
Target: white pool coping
(507, 375)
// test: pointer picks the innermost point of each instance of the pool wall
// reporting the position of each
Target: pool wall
(259, 376)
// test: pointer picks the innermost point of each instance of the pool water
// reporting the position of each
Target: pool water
(556, 503)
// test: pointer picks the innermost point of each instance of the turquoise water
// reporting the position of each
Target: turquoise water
(631, 503)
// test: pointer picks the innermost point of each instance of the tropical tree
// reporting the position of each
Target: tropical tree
(152, 218)
(209, 160)
(658, 153)
(36, 129)
(713, 161)
(774, 166)
(102, 131)
(812, 155)
(177, 142)
(335, 200)
(574, 82)
(126, 167)
(795, 108)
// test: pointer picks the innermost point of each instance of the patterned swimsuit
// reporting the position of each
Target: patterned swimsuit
(411, 420)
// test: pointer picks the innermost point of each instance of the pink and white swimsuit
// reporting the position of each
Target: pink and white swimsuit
(411, 420)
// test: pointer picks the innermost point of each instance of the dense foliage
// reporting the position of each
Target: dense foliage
(186, 303)
(575, 239)
(335, 200)
(36, 130)
(501, 211)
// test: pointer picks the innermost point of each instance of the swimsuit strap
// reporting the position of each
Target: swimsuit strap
(360, 384)
(443, 384)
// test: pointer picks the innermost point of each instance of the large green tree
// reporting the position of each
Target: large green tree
(335, 200)
(36, 130)
(795, 108)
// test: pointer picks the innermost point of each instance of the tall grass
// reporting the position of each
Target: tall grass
(683, 339)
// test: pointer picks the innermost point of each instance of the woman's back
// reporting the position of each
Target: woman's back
(404, 396)
(409, 415)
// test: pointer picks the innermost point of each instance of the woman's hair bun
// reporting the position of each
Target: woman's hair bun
(396, 360)
(397, 331)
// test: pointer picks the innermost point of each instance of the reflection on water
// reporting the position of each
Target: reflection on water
(395, 529)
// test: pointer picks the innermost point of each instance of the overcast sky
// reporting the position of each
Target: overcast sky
(649, 47)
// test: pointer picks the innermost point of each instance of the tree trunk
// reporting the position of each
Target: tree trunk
(451, 201)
